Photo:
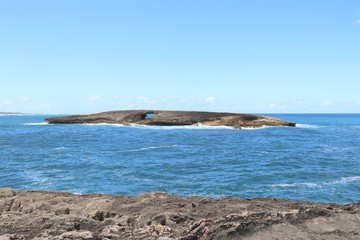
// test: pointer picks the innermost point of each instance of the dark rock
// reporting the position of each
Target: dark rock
(173, 118)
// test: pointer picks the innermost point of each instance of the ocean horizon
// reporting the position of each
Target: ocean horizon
(318, 160)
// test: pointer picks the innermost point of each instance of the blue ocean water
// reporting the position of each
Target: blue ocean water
(319, 160)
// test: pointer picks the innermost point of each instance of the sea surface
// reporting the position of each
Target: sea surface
(318, 160)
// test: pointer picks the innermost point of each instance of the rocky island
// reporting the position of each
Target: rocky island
(56, 215)
(173, 118)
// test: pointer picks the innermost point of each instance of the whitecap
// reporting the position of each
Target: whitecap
(301, 184)
(345, 180)
(60, 148)
(104, 124)
(299, 125)
(37, 124)
(153, 147)
(256, 128)
(188, 127)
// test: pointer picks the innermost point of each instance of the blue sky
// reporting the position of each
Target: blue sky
(252, 56)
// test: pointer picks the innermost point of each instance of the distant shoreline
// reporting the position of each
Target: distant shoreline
(12, 113)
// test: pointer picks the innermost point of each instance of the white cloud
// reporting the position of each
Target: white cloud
(46, 106)
(277, 107)
(327, 103)
(25, 99)
(94, 98)
(7, 103)
(208, 100)
(146, 100)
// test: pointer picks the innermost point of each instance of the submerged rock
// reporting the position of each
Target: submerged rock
(173, 118)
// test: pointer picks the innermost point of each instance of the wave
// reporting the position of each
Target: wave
(256, 128)
(342, 181)
(36, 124)
(299, 125)
(347, 180)
(290, 185)
(105, 124)
(190, 127)
(60, 148)
(153, 147)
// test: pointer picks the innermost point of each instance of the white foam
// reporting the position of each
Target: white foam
(289, 185)
(152, 147)
(198, 126)
(60, 148)
(345, 180)
(299, 125)
(104, 124)
(36, 124)
(256, 128)
(189, 127)
(341, 181)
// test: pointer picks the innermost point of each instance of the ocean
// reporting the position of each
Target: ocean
(318, 160)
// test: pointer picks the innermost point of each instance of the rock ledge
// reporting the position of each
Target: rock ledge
(57, 215)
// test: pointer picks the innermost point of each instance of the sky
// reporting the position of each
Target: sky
(250, 56)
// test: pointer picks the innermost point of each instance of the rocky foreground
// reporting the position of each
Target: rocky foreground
(173, 118)
(55, 215)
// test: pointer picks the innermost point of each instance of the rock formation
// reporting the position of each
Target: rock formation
(51, 215)
(173, 118)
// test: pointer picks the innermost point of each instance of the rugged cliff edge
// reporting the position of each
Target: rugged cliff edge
(55, 215)
(173, 118)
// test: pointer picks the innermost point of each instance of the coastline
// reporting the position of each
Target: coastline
(156, 215)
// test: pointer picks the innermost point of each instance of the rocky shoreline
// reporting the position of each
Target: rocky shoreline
(173, 118)
(57, 215)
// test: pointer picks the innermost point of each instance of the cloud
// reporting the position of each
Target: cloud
(25, 99)
(146, 100)
(7, 103)
(208, 100)
(46, 106)
(357, 21)
(94, 98)
(277, 106)
(327, 103)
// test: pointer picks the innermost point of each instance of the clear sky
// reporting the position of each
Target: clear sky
(260, 56)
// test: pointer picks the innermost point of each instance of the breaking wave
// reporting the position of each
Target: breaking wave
(256, 128)
(190, 127)
(299, 125)
(153, 147)
(36, 124)
(344, 180)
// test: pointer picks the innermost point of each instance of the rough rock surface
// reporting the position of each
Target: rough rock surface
(51, 215)
(172, 118)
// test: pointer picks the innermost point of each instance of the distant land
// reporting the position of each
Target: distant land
(11, 113)
(174, 118)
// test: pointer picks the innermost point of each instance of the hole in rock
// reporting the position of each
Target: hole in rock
(149, 115)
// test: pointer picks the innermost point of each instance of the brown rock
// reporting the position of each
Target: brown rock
(173, 118)
(163, 216)
(7, 192)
